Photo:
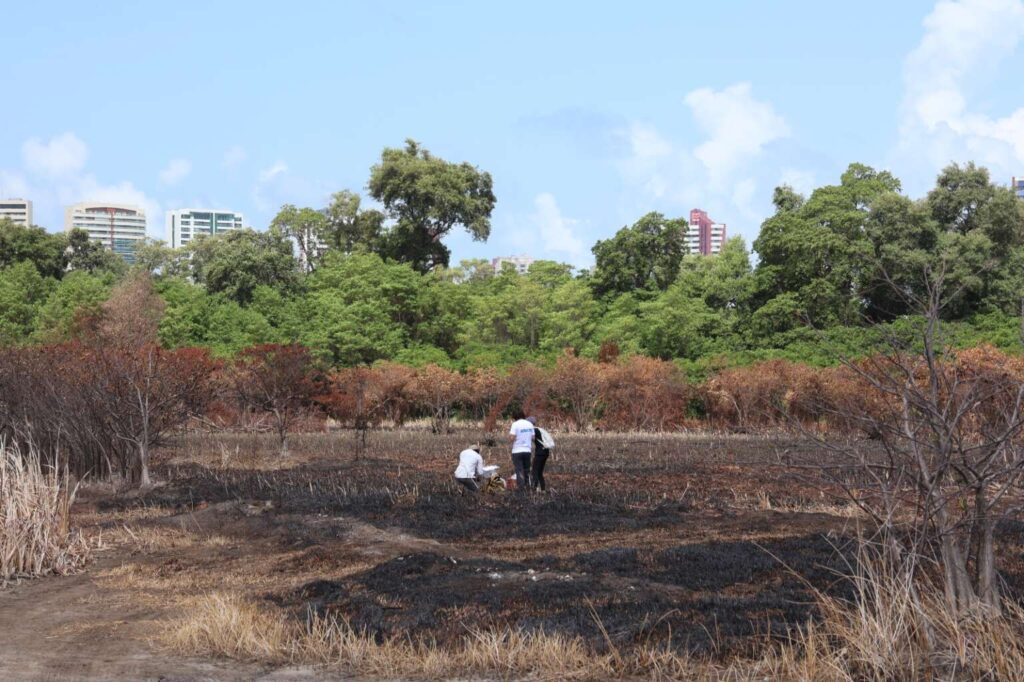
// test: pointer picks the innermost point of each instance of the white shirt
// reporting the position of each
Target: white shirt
(471, 464)
(523, 431)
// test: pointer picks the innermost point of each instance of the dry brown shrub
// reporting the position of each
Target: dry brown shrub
(748, 397)
(393, 381)
(644, 394)
(575, 390)
(436, 390)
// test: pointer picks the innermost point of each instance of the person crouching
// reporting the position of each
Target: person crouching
(471, 467)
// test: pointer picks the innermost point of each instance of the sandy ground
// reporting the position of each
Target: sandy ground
(71, 628)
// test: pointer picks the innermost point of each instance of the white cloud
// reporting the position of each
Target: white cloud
(277, 185)
(962, 39)
(738, 127)
(802, 181)
(176, 171)
(61, 179)
(266, 191)
(234, 156)
(62, 155)
(556, 232)
(725, 172)
(268, 174)
(743, 193)
(14, 186)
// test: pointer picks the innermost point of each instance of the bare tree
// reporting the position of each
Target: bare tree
(276, 379)
(949, 452)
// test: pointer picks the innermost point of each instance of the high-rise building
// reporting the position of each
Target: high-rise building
(185, 224)
(1018, 187)
(18, 211)
(119, 227)
(704, 236)
(521, 263)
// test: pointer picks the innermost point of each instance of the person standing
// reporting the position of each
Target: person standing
(522, 433)
(471, 466)
(542, 444)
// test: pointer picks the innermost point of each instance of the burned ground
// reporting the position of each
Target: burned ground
(641, 536)
(707, 543)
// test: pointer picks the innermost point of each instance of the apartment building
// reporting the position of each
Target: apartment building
(119, 227)
(704, 236)
(520, 263)
(18, 211)
(185, 224)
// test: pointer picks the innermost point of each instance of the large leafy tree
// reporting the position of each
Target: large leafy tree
(983, 226)
(642, 257)
(45, 251)
(813, 252)
(350, 228)
(426, 197)
(22, 291)
(307, 227)
(236, 263)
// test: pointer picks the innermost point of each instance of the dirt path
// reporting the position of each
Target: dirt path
(72, 628)
(65, 628)
(85, 627)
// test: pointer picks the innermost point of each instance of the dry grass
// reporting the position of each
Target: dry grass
(886, 632)
(231, 626)
(36, 537)
(898, 626)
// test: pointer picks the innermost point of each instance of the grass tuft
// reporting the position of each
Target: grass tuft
(36, 537)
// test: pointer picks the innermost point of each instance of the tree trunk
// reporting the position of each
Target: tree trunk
(144, 480)
(959, 590)
(985, 562)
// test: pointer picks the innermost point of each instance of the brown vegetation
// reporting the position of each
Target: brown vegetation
(36, 537)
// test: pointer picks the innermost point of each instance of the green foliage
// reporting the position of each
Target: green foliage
(644, 257)
(76, 297)
(33, 244)
(22, 292)
(835, 273)
(237, 262)
(426, 197)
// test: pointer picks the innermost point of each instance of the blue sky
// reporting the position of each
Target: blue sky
(587, 114)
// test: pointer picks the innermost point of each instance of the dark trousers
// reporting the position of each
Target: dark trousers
(537, 472)
(469, 484)
(521, 462)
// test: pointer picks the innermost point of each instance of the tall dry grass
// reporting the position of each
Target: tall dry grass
(36, 537)
(894, 628)
(898, 625)
(231, 626)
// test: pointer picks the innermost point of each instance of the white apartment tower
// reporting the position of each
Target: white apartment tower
(185, 224)
(119, 227)
(520, 263)
(18, 211)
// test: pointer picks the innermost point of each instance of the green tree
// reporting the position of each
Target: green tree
(361, 309)
(157, 258)
(816, 250)
(426, 197)
(45, 251)
(642, 257)
(186, 313)
(78, 295)
(22, 291)
(237, 262)
(349, 228)
(308, 228)
(986, 224)
(231, 327)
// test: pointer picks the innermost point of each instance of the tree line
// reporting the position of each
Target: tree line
(358, 286)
